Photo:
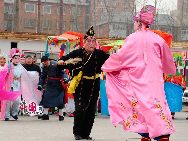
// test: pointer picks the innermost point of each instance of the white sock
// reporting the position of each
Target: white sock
(46, 111)
(61, 112)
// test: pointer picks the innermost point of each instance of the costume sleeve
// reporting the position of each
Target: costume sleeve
(67, 66)
(43, 77)
(72, 54)
(39, 70)
(121, 59)
(103, 57)
(65, 77)
(167, 60)
(112, 64)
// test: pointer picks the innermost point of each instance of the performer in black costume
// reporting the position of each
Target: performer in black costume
(52, 77)
(85, 63)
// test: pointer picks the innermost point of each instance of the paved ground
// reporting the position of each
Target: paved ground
(32, 129)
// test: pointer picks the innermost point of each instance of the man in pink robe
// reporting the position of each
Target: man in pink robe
(135, 85)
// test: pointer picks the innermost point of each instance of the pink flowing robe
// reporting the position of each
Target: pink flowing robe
(34, 76)
(4, 93)
(135, 85)
(26, 89)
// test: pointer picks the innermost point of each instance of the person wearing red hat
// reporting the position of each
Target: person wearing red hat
(86, 65)
(22, 59)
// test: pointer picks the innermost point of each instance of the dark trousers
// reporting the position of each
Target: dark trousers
(146, 135)
(84, 119)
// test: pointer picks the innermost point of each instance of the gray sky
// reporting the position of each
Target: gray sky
(164, 6)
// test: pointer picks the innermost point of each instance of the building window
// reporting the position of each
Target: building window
(75, 26)
(61, 12)
(79, 11)
(64, 25)
(8, 1)
(186, 7)
(8, 9)
(183, 32)
(46, 24)
(8, 25)
(30, 7)
(58, 11)
(47, 9)
(184, 35)
(30, 23)
(64, 10)
(76, 11)
(58, 27)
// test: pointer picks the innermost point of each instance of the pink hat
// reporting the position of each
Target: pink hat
(14, 52)
(146, 15)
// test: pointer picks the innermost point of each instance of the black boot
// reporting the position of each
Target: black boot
(15, 117)
(45, 117)
(6, 119)
(88, 138)
(173, 115)
(39, 116)
(61, 118)
(78, 137)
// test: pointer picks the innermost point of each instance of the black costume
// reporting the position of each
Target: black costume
(54, 93)
(87, 92)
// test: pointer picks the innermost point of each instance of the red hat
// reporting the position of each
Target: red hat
(22, 56)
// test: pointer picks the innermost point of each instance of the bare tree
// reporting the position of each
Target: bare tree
(109, 12)
(111, 8)
(16, 16)
(74, 15)
(61, 16)
(38, 30)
